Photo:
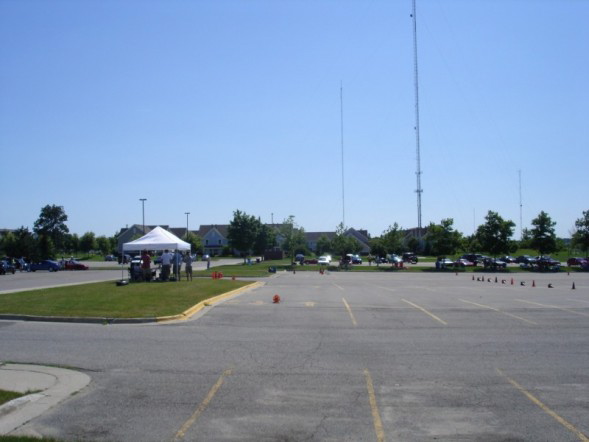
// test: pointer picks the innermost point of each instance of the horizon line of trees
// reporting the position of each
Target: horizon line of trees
(246, 233)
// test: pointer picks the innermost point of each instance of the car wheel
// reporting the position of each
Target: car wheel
(50, 269)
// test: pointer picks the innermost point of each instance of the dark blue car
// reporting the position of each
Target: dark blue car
(6, 267)
(47, 264)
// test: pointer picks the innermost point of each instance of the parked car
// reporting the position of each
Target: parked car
(110, 258)
(311, 261)
(395, 259)
(475, 258)
(324, 260)
(443, 263)
(125, 258)
(206, 257)
(508, 259)
(494, 263)
(381, 260)
(354, 259)
(72, 264)
(577, 261)
(547, 263)
(6, 267)
(461, 262)
(525, 259)
(46, 264)
(410, 257)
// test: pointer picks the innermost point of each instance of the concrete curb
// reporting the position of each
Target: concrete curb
(182, 316)
(55, 385)
(198, 307)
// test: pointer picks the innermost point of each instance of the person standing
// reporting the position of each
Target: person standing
(166, 261)
(188, 268)
(177, 264)
(146, 265)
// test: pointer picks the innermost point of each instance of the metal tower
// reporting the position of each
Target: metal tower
(419, 190)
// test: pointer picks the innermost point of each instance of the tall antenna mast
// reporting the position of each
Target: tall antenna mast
(341, 98)
(521, 223)
(419, 191)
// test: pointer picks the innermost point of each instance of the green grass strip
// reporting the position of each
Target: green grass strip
(7, 396)
(107, 300)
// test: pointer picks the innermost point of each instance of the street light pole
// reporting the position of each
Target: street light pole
(186, 213)
(143, 211)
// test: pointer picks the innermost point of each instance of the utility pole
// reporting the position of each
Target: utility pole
(186, 213)
(143, 211)
(521, 223)
(341, 97)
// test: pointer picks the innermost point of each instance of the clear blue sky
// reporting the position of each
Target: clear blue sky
(212, 106)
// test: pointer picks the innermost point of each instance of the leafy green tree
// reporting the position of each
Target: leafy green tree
(71, 243)
(87, 242)
(51, 223)
(242, 232)
(392, 239)
(413, 244)
(293, 237)
(195, 242)
(265, 239)
(103, 245)
(20, 243)
(45, 248)
(470, 243)
(442, 238)
(343, 244)
(495, 234)
(377, 248)
(323, 245)
(543, 234)
(581, 235)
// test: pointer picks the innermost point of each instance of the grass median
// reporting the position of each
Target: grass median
(107, 300)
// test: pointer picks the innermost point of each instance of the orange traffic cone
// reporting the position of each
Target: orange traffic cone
(276, 299)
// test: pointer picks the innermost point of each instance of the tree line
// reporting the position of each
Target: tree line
(494, 236)
(50, 237)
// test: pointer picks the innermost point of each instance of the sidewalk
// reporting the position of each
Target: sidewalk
(50, 385)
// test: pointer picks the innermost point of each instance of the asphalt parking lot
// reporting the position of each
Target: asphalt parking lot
(342, 356)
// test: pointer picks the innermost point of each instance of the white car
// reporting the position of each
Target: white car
(324, 260)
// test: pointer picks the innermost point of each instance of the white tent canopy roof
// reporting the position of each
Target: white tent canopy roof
(157, 239)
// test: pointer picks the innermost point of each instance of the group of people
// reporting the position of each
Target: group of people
(170, 262)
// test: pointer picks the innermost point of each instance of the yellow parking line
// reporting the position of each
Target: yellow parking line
(441, 321)
(374, 407)
(554, 306)
(350, 312)
(499, 311)
(203, 405)
(545, 408)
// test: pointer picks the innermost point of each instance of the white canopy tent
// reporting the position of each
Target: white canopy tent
(157, 239)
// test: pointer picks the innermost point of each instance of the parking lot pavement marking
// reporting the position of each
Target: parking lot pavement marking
(310, 304)
(578, 300)
(499, 311)
(350, 312)
(374, 407)
(545, 408)
(203, 405)
(554, 306)
(385, 288)
(338, 286)
(441, 321)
